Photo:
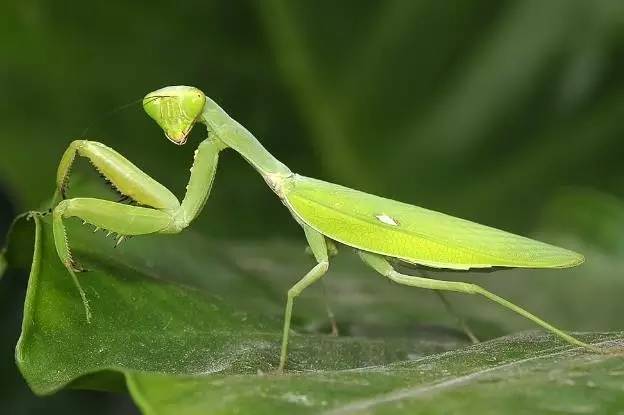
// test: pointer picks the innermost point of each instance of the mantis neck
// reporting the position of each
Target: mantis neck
(234, 135)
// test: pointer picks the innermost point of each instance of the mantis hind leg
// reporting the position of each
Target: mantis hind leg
(330, 313)
(319, 249)
(382, 266)
(104, 214)
(460, 320)
(130, 181)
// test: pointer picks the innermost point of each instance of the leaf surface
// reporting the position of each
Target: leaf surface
(185, 348)
(144, 322)
(513, 375)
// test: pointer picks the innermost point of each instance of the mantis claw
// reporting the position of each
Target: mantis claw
(44, 213)
(34, 213)
(124, 198)
(76, 267)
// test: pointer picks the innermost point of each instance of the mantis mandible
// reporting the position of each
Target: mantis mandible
(382, 231)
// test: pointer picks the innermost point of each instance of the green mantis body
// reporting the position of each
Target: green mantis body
(380, 230)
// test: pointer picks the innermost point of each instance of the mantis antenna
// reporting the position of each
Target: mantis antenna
(109, 114)
(378, 229)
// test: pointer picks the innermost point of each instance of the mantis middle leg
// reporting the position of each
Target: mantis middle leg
(318, 246)
(382, 266)
(332, 250)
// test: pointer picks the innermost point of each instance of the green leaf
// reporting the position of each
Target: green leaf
(144, 323)
(518, 374)
(193, 347)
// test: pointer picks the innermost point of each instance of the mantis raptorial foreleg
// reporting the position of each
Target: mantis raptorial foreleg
(114, 217)
(381, 265)
(202, 177)
(319, 248)
(123, 175)
(166, 214)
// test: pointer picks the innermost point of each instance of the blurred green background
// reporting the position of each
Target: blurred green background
(510, 113)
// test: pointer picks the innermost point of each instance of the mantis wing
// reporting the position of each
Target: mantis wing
(413, 234)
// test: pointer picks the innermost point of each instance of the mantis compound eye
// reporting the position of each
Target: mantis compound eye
(175, 109)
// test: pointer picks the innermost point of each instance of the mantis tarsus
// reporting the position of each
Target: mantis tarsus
(380, 230)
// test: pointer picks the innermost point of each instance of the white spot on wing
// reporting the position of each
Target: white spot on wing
(388, 220)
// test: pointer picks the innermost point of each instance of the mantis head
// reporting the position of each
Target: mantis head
(175, 109)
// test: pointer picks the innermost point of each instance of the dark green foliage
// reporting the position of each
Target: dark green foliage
(191, 347)
(504, 112)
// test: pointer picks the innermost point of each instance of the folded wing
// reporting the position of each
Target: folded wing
(413, 234)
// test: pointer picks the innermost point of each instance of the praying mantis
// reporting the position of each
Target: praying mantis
(383, 232)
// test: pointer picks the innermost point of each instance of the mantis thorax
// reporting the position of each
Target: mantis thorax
(279, 182)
